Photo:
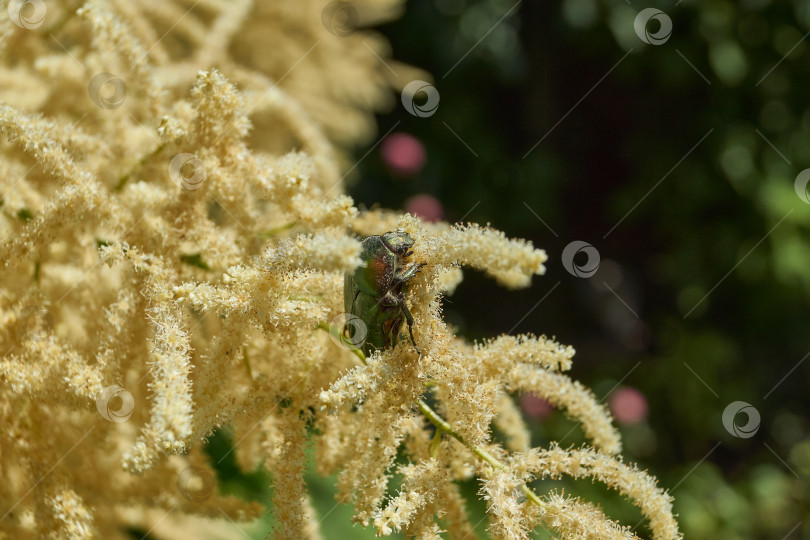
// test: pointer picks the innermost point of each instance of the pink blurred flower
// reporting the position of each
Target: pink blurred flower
(629, 406)
(404, 154)
(425, 206)
(535, 407)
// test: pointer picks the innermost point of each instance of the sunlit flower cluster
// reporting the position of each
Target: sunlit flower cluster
(173, 241)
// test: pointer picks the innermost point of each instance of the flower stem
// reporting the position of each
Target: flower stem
(337, 333)
(122, 182)
(443, 426)
(274, 231)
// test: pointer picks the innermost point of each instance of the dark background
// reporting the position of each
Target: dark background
(701, 159)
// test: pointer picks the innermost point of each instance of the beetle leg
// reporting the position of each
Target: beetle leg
(388, 300)
(409, 320)
(391, 329)
(354, 300)
(406, 273)
(351, 314)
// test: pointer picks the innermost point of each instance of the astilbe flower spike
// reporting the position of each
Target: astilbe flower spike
(169, 254)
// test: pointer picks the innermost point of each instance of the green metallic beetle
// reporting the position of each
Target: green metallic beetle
(375, 291)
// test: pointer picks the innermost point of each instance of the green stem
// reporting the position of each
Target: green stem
(123, 180)
(434, 443)
(442, 426)
(336, 332)
(274, 231)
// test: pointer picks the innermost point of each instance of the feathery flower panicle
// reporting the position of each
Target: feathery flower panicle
(572, 518)
(632, 483)
(325, 252)
(510, 262)
(573, 398)
(526, 349)
(510, 422)
(71, 514)
(421, 486)
(174, 237)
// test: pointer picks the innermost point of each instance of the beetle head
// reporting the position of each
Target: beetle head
(398, 242)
